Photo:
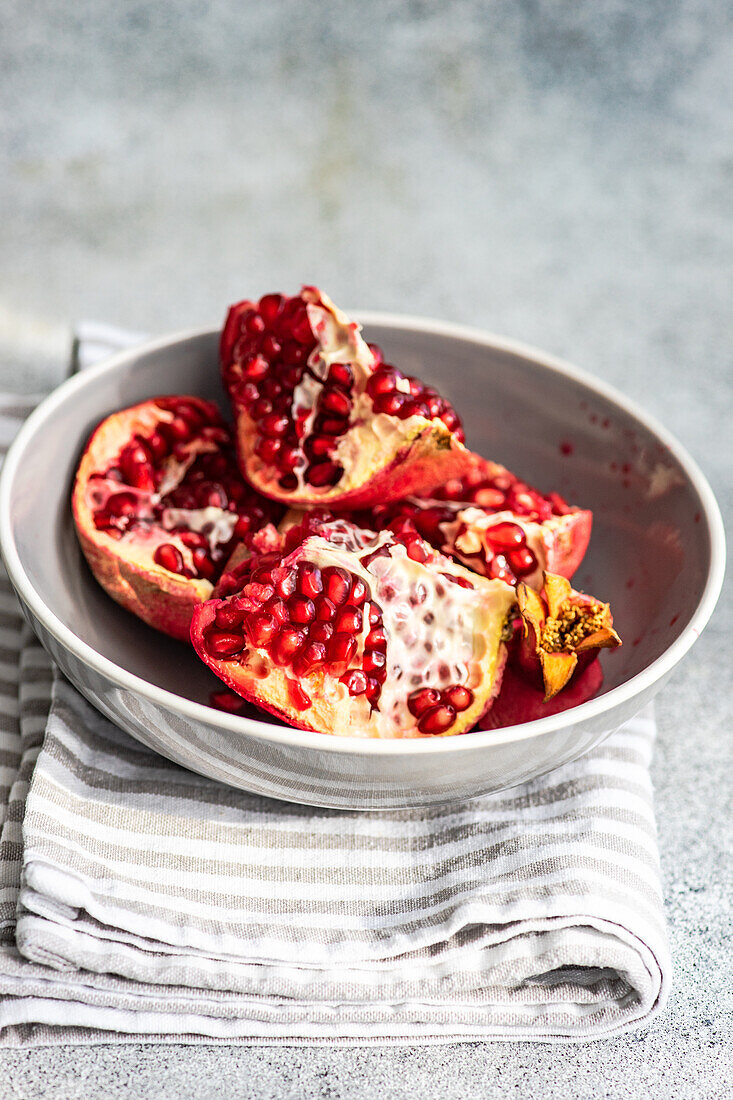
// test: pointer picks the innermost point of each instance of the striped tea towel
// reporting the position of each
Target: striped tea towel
(139, 900)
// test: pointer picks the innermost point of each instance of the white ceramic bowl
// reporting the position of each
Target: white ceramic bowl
(657, 553)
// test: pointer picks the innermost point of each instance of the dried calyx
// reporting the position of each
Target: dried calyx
(561, 631)
(321, 418)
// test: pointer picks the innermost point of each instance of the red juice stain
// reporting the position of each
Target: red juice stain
(631, 582)
(698, 517)
(593, 418)
(673, 620)
(606, 423)
(566, 447)
(636, 641)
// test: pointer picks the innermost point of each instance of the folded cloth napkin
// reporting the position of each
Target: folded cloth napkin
(142, 901)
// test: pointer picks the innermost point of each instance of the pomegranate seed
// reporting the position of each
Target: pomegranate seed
(222, 644)
(341, 651)
(336, 584)
(276, 607)
(169, 556)
(435, 406)
(320, 632)
(458, 697)
(349, 620)
(261, 408)
(122, 504)
(416, 386)
(271, 347)
(383, 381)
(375, 615)
(247, 393)
(291, 458)
(417, 550)
(325, 609)
(422, 700)
(375, 661)
(522, 561)
(288, 482)
(336, 402)
(178, 429)
(451, 421)
(499, 569)
(310, 657)
(358, 592)
(255, 368)
(390, 403)
(261, 628)
(329, 425)
(298, 698)
(274, 424)
(228, 701)
(355, 681)
(157, 445)
(287, 644)
(376, 353)
(319, 446)
(253, 324)
(268, 449)
(103, 522)
(376, 638)
(300, 328)
(136, 467)
(310, 581)
(301, 609)
(203, 563)
(285, 581)
(228, 617)
(373, 691)
(269, 307)
(193, 540)
(437, 719)
(326, 473)
(341, 374)
(506, 536)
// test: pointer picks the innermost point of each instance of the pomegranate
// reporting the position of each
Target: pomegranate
(321, 418)
(358, 633)
(159, 503)
(562, 631)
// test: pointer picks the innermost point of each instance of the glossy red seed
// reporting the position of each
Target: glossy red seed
(376, 353)
(375, 615)
(341, 651)
(490, 498)
(261, 628)
(310, 657)
(268, 449)
(247, 393)
(227, 701)
(203, 563)
(325, 609)
(329, 425)
(309, 581)
(260, 593)
(274, 424)
(341, 374)
(169, 557)
(422, 700)
(358, 592)
(383, 381)
(270, 306)
(389, 403)
(287, 644)
(301, 610)
(157, 444)
(376, 638)
(373, 691)
(290, 458)
(437, 719)
(355, 681)
(320, 632)
(320, 446)
(522, 561)
(136, 468)
(336, 584)
(277, 608)
(255, 368)
(375, 661)
(506, 536)
(228, 617)
(122, 504)
(326, 473)
(459, 697)
(178, 429)
(271, 347)
(335, 401)
(261, 408)
(285, 581)
(193, 540)
(417, 550)
(253, 324)
(223, 644)
(416, 386)
(349, 620)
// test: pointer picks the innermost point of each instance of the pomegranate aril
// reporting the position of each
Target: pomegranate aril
(325, 609)
(422, 700)
(268, 449)
(326, 473)
(437, 719)
(375, 615)
(136, 467)
(193, 540)
(285, 581)
(269, 307)
(335, 401)
(288, 482)
(417, 550)
(300, 328)
(377, 354)
(522, 561)
(320, 632)
(355, 681)
(287, 644)
(506, 536)
(157, 445)
(178, 429)
(302, 609)
(375, 661)
(319, 446)
(169, 557)
(271, 347)
(309, 581)
(349, 620)
(255, 368)
(309, 658)
(341, 651)
(260, 593)
(373, 691)
(261, 628)
(227, 701)
(227, 618)
(277, 608)
(390, 403)
(336, 584)
(261, 408)
(459, 697)
(376, 638)
(329, 425)
(247, 393)
(253, 324)
(122, 504)
(358, 592)
(383, 381)
(274, 424)
(203, 563)
(221, 643)
(291, 458)
(341, 374)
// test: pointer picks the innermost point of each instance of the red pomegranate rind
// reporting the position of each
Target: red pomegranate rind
(519, 701)
(497, 525)
(359, 634)
(320, 418)
(158, 504)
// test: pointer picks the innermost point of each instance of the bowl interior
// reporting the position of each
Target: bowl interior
(650, 549)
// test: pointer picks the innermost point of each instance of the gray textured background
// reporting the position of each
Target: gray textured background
(558, 172)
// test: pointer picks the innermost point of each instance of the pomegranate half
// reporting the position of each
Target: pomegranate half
(321, 418)
(357, 633)
(159, 503)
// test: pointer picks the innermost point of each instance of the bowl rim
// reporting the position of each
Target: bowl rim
(588, 711)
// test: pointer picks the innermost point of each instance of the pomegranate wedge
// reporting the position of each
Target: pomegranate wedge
(321, 419)
(159, 503)
(355, 633)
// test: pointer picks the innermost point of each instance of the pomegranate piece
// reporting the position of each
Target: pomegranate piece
(390, 647)
(562, 632)
(159, 504)
(320, 418)
(496, 525)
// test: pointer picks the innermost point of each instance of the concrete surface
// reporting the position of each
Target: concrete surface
(561, 173)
